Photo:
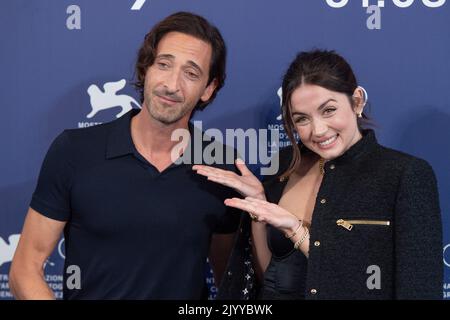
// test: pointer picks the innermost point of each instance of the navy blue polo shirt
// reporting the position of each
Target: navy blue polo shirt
(135, 233)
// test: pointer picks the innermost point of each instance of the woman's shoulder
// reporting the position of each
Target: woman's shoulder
(399, 160)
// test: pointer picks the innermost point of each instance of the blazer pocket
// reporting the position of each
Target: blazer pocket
(350, 223)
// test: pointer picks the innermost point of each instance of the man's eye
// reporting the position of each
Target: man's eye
(162, 65)
(192, 75)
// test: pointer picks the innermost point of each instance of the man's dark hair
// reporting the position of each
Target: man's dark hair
(193, 25)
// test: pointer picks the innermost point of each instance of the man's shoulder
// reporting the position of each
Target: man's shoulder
(89, 133)
(82, 143)
(94, 136)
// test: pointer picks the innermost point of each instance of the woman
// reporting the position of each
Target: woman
(345, 218)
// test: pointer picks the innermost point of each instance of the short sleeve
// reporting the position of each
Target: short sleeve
(51, 197)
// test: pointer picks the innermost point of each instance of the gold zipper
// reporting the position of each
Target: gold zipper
(348, 224)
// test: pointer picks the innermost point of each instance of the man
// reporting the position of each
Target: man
(137, 225)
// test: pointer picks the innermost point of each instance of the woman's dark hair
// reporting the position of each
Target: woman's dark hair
(323, 68)
(193, 25)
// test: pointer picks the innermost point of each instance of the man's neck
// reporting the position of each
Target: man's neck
(152, 136)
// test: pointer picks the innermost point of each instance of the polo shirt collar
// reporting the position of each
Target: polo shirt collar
(119, 141)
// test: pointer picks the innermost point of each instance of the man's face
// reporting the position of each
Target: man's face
(178, 78)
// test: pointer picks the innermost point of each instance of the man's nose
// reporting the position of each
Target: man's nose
(172, 81)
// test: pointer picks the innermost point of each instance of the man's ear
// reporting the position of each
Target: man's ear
(209, 90)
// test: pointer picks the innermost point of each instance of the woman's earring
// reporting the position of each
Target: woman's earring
(366, 97)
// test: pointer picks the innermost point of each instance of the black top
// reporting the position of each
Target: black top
(135, 233)
(394, 247)
(285, 276)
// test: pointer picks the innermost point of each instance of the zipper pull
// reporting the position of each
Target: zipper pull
(344, 224)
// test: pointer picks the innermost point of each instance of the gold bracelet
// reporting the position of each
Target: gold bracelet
(302, 239)
(296, 230)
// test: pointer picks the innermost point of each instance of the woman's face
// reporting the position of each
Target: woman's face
(324, 120)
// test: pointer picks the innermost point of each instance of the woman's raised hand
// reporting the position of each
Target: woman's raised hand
(246, 184)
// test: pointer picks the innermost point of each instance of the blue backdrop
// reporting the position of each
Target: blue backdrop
(53, 51)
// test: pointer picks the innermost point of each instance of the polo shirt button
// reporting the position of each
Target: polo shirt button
(332, 167)
(323, 201)
(313, 291)
(317, 243)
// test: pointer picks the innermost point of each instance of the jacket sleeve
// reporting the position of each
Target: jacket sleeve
(418, 235)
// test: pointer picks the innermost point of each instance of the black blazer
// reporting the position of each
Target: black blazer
(392, 228)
